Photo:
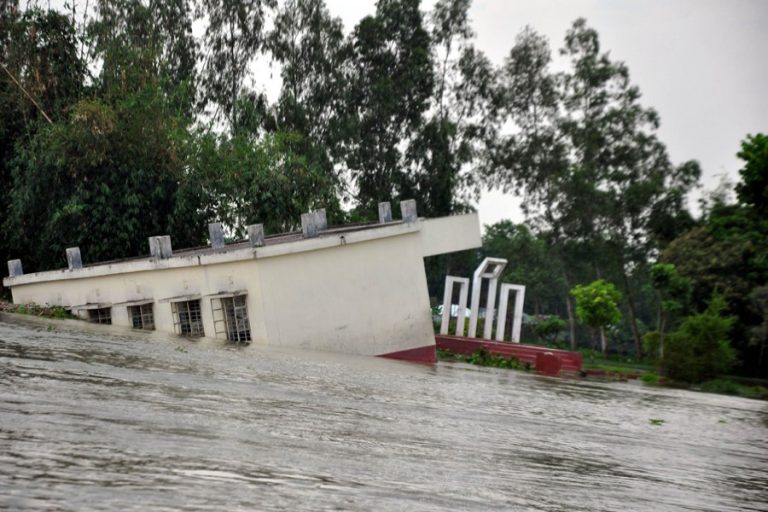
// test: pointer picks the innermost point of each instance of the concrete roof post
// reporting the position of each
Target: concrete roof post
(408, 210)
(308, 225)
(385, 212)
(14, 268)
(256, 235)
(160, 247)
(321, 219)
(74, 261)
(216, 235)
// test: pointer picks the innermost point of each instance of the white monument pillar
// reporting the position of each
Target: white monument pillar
(517, 320)
(490, 268)
(447, 296)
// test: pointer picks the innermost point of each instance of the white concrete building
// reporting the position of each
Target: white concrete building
(352, 289)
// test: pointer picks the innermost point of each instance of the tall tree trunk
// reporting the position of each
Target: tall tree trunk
(632, 315)
(603, 342)
(571, 321)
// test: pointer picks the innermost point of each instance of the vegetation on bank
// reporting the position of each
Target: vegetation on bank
(35, 310)
(619, 369)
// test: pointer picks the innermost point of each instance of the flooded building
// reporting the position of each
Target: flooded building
(358, 289)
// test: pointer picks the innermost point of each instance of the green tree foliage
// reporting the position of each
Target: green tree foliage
(586, 153)
(673, 294)
(233, 38)
(699, 349)
(597, 307)
(135, 43)
(390, 85)
(728, 254)
(753, 189)
(309, 45)
(41, 74)
(104, 180)
(248, 181)
(548, 327)
(530, 263)
(448, 145)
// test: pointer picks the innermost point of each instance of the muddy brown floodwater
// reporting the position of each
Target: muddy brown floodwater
(91, 420)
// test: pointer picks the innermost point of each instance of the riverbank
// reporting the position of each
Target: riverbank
(598, 368)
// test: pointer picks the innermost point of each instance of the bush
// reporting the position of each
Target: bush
(699, 349)
(548, 327)
(651, 345)
(729, 387)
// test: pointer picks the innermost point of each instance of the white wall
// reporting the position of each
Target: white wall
(361, 292)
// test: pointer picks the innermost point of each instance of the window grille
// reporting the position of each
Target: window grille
(188, 318)
(100, 315)
(230, 316)
(142, 317)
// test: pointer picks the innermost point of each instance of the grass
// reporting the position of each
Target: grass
(725, 386)
(483, 357)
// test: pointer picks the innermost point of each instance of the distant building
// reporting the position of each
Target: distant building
(354, 289)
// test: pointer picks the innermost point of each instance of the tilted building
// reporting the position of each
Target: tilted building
(357, 289)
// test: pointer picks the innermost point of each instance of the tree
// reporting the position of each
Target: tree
(699, 349)
(104, 179)
(390, 85)
(597, 307)
(530, 263)
(673, 292)
(753, 189)
(134, 42)
(586, 153)
(242, 181)
(727, 255)
(234, 36)
(451, 139)
(41, 74)
(309, 45)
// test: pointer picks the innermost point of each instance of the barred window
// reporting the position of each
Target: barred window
(142, 317)
(100, 315)
(188, 318)
(236, 315)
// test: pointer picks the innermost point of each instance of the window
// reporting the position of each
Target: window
(100, 315)
(230, 318)
(236, 316)
(142, 317)
(188, 318)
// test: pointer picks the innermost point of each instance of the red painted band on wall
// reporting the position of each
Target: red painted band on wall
(425, 355)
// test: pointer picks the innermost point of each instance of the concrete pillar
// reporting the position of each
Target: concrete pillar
(74, 261)
(256, 235)
(385, 212)
(408, 210)
(216, 235)
(321, 220)
(490, 306)
(160, 247)
(447, 296)
(14, 268)
(490, 268)
(308, 225)
(517, 321)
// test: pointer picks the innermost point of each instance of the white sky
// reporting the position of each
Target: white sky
(702, 64)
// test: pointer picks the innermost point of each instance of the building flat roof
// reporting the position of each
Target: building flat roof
(274, 245)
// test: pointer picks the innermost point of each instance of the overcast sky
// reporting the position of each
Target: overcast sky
(702, 64)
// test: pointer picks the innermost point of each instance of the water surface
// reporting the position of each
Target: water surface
(92, 420)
